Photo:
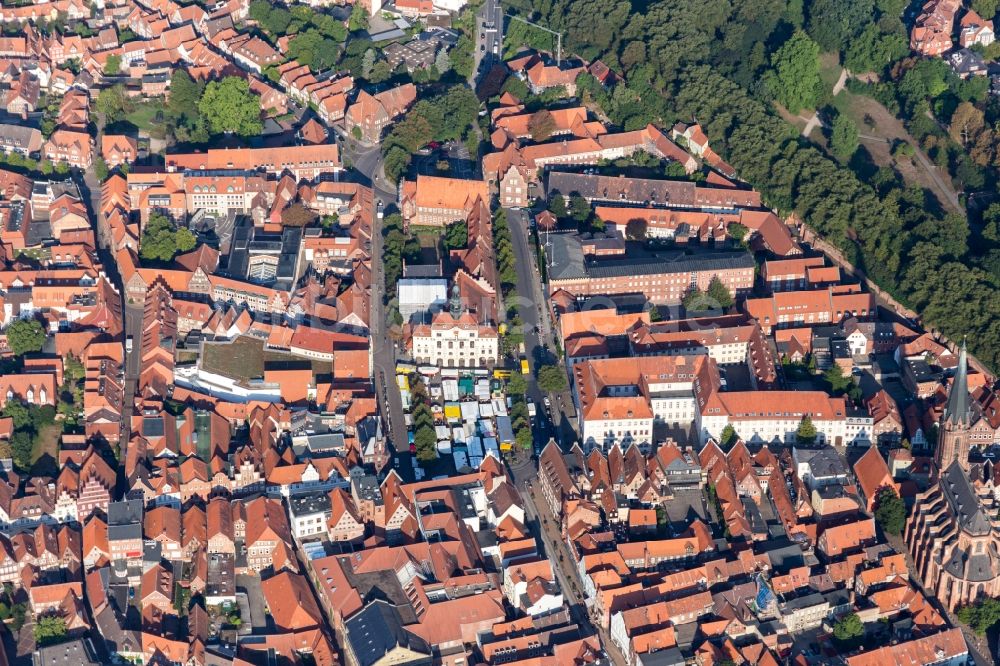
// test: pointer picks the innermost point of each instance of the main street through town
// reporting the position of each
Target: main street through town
(367, 160)
(553, 422)
(489, 35)
(539, 343)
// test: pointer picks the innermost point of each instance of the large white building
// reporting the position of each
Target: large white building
(768, 416)
(620, 400)
(455, 339)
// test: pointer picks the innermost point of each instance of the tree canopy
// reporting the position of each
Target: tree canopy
(113, 65)
(890, 511)
(719, 293)
(161, 241)
(843, 137)
(448, 116)
(728, 438)
(229, 106)
(552, 379)
(806, 432)
(636, 229)
(834, 23)
(717, 60)
(795, 81)
(456, 235)
(849, 629)
(541, 125)
(115, 103)
(25, 336)
(49, 629)
(981, 616)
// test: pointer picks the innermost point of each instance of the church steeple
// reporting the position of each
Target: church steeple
(953, 443)
(958, 410)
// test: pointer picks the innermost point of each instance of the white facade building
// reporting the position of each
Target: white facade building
(455, 342)
(768, 416)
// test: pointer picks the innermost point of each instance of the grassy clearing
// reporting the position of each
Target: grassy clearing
(45, 450)
(829, 69)
(144, 118)
(879, 130)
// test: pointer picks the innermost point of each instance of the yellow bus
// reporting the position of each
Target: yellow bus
(525, 368)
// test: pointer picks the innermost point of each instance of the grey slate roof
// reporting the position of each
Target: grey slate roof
(78, 653)
(303, 505)
(20, 137)
(376, 630)
(823, 463)
(962, 499)
(568, 261)
(958, 410)
(125, 512)
(610, 188)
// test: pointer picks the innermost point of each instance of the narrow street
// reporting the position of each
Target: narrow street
(367, 160)
(557, 551)
(538, 333)
(90, 190)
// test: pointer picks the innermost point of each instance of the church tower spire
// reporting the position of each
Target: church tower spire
(953, 433)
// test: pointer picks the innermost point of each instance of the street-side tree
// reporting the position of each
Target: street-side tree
(425, 442)
(517, 384)
(552, 379)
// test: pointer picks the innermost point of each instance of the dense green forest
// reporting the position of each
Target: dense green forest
(724, 63)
